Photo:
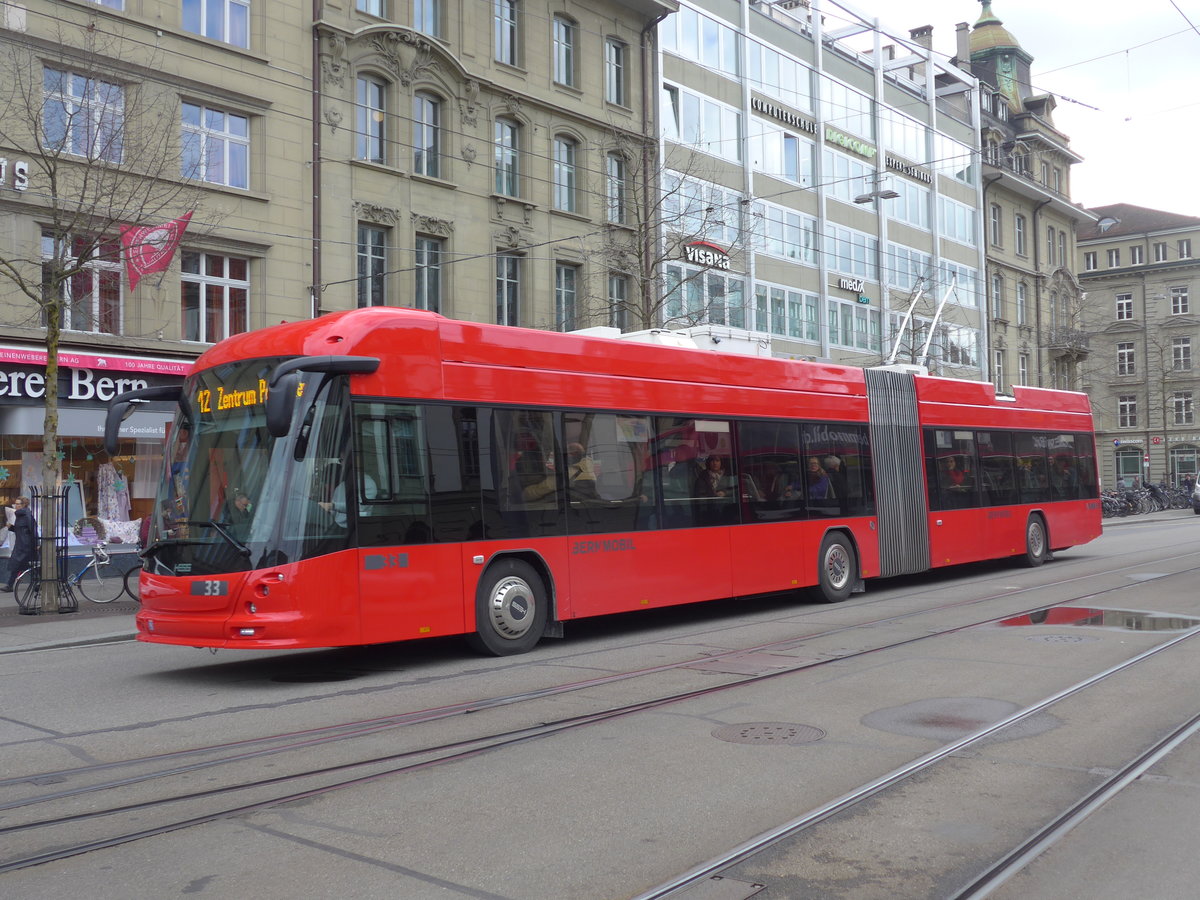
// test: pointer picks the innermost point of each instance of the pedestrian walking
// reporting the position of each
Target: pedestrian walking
(25, 545)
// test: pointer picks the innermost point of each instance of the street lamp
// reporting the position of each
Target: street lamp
(887, 194)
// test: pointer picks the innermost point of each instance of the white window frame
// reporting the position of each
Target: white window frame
(1126, 358)
(1137, 255)
(616, 61)
(218, 155)
(565, 41)
(615, 188)
(565, 171)
(1183, 408)
(1180, 301)
(506, 31)
(507, 164)
(1127, 411)
(103, 269)
(1181, 354)
(1124, 307)
(427, 17)
(371, 248)
(427, 134)
(370, 119)
(509, 271)
(232, 26)
(567, 277)
(1019, 235)
(428, 253)
(225, 284)
(92, 122)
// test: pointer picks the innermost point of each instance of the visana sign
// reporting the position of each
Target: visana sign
(703, 253)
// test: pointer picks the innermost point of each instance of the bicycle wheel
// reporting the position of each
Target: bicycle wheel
(100, 584)
(26, 591)
(132, 579)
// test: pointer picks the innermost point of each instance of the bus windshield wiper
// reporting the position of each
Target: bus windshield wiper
(220, 529)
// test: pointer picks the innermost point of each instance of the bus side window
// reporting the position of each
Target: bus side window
(610, 485)
(996, 467)
(527, 499)
(769, 460)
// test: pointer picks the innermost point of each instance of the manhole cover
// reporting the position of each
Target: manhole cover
(768, 733)
(314, 677)
(1061, 638)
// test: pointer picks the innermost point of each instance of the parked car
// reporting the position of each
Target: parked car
(1196, 499)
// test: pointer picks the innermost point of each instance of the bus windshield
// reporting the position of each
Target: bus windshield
(232, 496)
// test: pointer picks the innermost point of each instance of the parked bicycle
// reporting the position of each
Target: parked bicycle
(100, 581)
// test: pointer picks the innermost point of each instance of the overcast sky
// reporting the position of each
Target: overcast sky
(1134, 69)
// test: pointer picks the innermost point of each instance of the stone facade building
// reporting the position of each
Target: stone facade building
(1140, 273)
(1033, 294)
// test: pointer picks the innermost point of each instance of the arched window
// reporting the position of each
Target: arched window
(565, 152)
(508, 157)
(370, 119)
(427, 138)
(615, 188)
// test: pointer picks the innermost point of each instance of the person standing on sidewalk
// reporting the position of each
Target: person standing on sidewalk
(25, 546)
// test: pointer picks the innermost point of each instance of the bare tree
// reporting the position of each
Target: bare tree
(653, 212)
(92, 135)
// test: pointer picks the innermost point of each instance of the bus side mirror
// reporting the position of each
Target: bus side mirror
(281, 404)
(123, 405)
(285, 383)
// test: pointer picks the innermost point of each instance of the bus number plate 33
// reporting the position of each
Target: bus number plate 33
(210, 588)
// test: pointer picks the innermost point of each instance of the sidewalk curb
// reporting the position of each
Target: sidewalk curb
(112, 638)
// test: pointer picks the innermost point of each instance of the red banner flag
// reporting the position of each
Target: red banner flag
(149, 248)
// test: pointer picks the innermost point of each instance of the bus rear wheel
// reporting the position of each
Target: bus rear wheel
(837, 567)
(510, 609)
(1036, 547)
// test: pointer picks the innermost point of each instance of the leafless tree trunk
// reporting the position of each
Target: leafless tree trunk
(86, 117)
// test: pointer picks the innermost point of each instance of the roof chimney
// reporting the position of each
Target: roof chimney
(962, 46)
(923, 36)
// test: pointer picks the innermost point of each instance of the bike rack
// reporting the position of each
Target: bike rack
(67, 601)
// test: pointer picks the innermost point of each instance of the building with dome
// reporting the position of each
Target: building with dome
(1034, 297)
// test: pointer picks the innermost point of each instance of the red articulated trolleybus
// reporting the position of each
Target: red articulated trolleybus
(408, 475)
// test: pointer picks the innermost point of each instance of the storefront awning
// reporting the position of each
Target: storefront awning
(143, 425)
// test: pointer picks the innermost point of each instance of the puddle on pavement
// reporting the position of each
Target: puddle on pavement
(950, 718)
(1119, 619)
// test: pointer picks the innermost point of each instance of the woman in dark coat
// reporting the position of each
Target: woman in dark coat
(25, 548)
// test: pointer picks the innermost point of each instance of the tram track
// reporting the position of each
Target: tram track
(310, 738)
(1012, 861)
(331, 778)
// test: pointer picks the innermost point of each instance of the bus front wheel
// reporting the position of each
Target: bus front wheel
(510, 609)
(837, 568)
(1036, 546)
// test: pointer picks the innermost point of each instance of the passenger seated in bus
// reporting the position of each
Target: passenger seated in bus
(239, 514)
(713, 481)
(581, 473)
(1065, 479)
(680, 472)
(336, 504)
(838, 486)
(817, 480)
(956, 482)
